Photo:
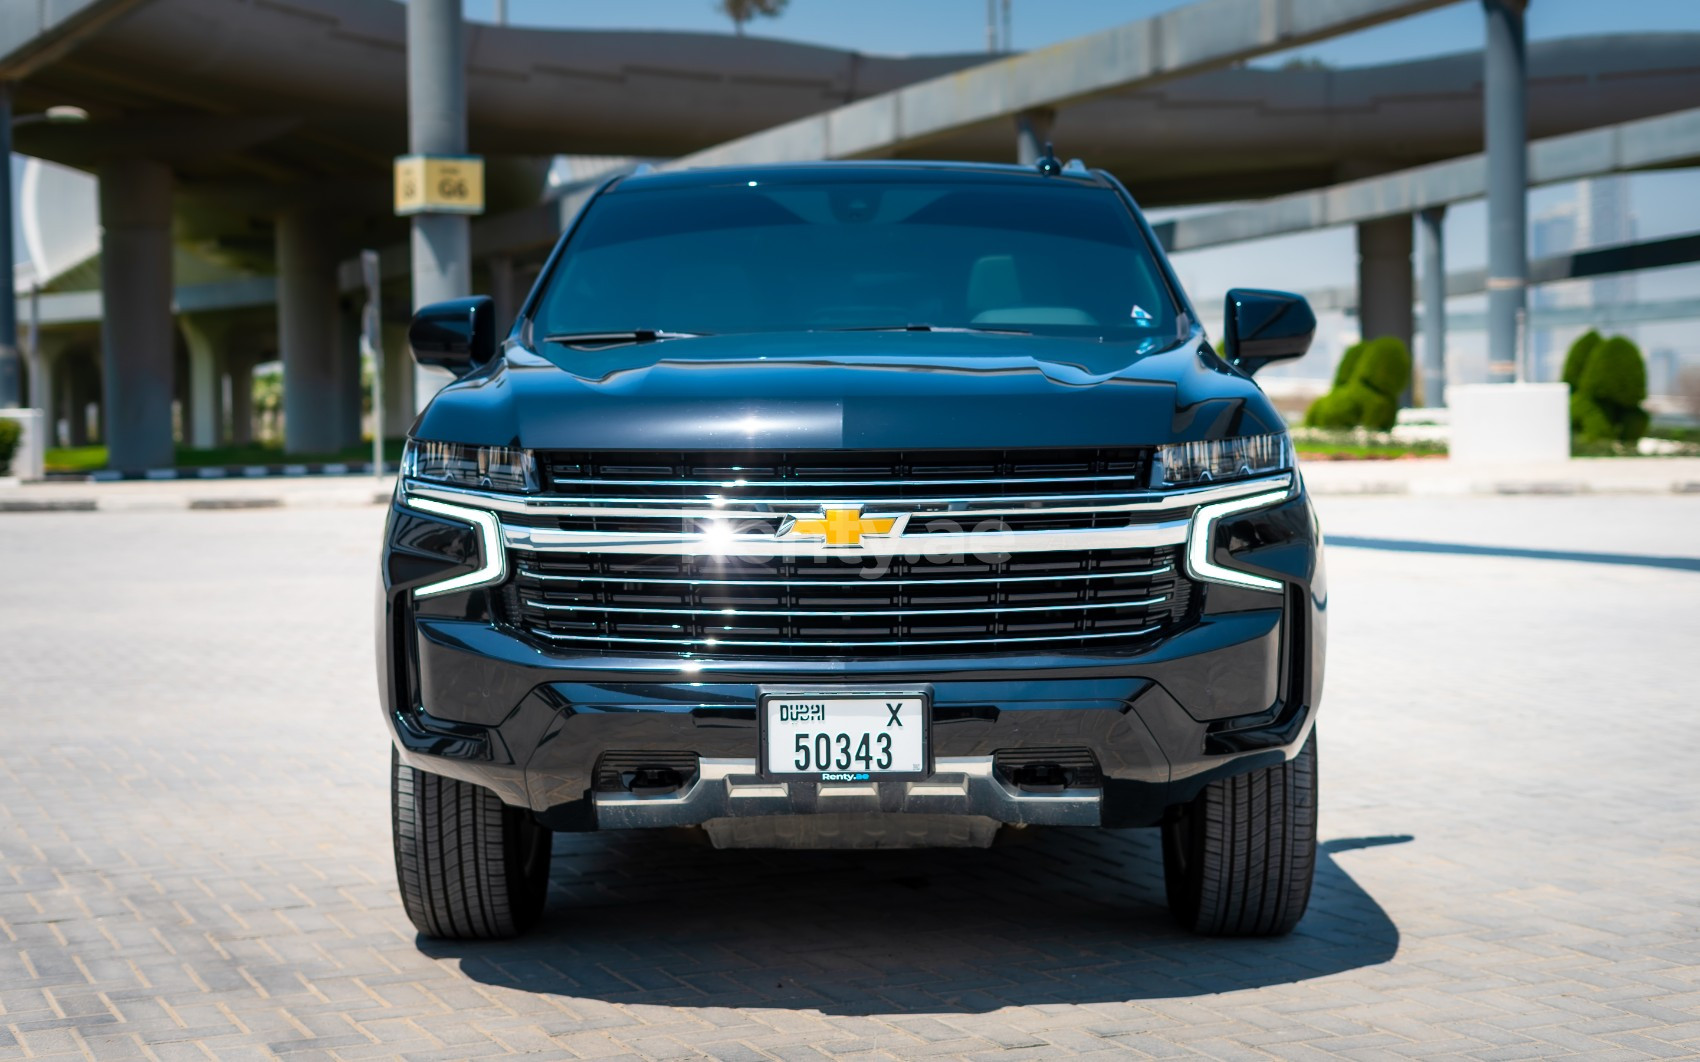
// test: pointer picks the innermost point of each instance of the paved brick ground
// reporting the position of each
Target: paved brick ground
(194, 854)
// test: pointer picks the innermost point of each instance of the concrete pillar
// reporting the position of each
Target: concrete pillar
(306, 328)
(1434, 306)
(44, 353)
(504, 292)
(1032, 133)
(240, 366)
(137, 337)
(399, 394)
(77, 379)
(1385, 283)
(1505, 101)
(208, 338)
(436, 125)
(46, 364)
(11, 364)
(347, 390)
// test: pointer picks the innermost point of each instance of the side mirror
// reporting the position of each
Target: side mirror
(1265, 326)
(458, 334)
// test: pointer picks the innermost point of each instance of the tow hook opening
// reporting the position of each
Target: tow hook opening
(1040, 778)
(653, 781)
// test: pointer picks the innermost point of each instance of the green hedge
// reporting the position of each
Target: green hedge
(10, 431)
(1367, 385)
(1608, 380)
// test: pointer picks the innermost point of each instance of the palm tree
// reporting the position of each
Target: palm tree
(742, 11)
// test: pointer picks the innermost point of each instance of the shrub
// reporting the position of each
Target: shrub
(1577, 359)
(1348, 366)
(1605, 400)
(10, 432)
(1367, 386)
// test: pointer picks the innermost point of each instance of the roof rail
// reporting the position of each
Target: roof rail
(1075, 166)
(1047, 163)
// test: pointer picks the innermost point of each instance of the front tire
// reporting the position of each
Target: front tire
(1238, 860)
(469, 866)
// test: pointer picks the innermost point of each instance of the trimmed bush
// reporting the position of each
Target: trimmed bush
(1577, 358)
(1348, 366)
(1367, 386)
(10, 432)
(1605, 400)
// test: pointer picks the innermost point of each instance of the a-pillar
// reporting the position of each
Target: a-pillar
(1434, 306)
(138, 336)
(307, 335)
(1385, 282)
(208, 339)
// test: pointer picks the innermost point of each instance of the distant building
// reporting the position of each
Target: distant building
(1599, 216)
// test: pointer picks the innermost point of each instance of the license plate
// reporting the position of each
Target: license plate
(837, 735)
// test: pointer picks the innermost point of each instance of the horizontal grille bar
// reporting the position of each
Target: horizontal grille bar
(708, 543)
(1094, 500)
(537, 509)
(717, 484)
(735, 612)
(728, 644)
(856, 475)
(1150, 572)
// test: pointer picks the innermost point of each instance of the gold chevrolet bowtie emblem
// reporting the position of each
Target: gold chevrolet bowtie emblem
(840, 527)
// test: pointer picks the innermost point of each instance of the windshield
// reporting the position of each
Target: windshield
(826, 254)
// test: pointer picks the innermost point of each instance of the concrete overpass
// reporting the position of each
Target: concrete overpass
(256, 139)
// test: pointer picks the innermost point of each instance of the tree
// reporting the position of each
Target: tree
(742, 11)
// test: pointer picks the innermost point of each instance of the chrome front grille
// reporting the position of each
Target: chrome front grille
(744, 555)
(838, 606)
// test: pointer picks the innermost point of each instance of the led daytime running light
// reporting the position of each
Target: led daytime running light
(495, 557)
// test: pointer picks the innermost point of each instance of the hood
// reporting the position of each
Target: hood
(861, 390)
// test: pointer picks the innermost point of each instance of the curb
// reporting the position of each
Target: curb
(287, 471)
(1504, 488)
(178, 503)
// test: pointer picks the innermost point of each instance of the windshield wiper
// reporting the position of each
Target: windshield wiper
(635, 335)
(928, 328)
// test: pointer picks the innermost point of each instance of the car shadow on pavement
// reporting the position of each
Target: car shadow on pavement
(1051, 916)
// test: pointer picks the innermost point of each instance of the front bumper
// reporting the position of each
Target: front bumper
(471, 698)
(959, 786)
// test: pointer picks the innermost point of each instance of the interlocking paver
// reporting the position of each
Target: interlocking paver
(194, 854)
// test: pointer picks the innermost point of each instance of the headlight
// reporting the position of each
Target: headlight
(1193, 463)
(503, 468)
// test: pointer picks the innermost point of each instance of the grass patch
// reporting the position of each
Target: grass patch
(1370, 451)
(85, 459)
(1360, 444)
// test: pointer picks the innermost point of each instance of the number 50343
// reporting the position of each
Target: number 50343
(840, 752)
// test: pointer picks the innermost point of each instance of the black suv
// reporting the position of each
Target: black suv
(853, 505)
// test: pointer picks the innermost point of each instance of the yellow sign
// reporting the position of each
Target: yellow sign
(439, 184)
(840, 527)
